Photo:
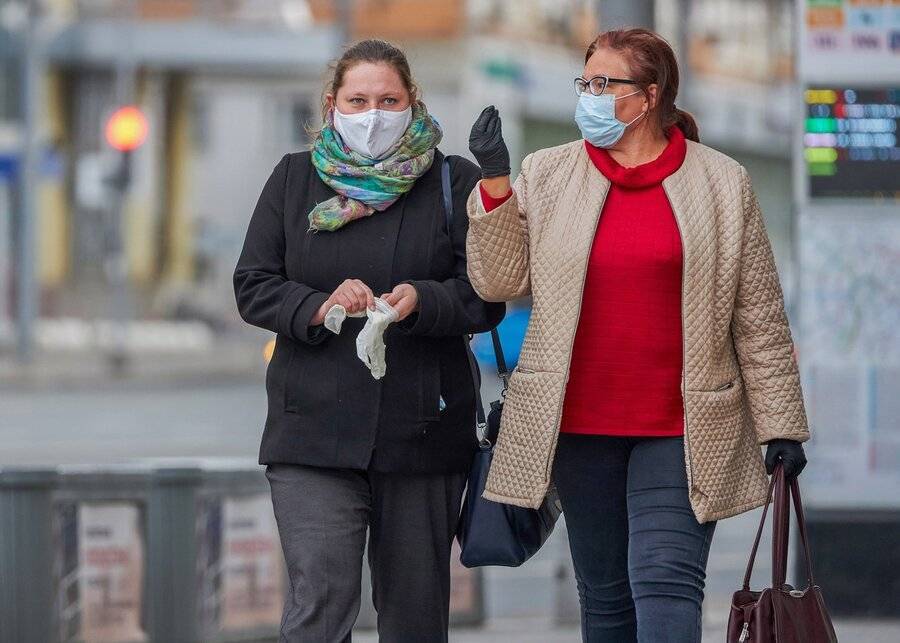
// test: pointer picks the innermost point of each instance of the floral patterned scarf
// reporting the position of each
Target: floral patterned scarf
(364, 185)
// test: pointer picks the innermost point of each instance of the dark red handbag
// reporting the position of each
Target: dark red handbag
(780, 614)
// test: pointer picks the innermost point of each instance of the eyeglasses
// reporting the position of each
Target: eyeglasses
(597, 85)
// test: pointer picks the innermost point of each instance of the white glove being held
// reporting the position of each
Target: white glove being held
(370, 341)
(370, 346)
(335, 317)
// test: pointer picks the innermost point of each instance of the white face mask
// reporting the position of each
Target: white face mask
(373, 134)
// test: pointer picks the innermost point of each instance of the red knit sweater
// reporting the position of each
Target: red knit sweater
(625, 374)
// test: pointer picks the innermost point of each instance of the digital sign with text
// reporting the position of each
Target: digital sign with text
(850, 142)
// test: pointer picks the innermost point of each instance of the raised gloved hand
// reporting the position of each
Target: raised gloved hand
(487, 145)
(788, 452)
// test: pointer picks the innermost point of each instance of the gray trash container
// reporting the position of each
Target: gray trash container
(155, 550)
(149, 551)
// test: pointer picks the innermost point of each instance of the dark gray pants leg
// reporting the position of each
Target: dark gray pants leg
(322, 516)
(412, 527)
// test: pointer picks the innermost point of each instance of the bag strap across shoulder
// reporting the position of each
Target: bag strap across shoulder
(447, 193)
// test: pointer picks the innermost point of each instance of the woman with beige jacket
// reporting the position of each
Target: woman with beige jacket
(658, 357)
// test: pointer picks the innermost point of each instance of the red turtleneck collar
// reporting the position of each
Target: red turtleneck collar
(646, 174)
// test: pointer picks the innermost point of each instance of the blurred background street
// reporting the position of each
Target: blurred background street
(121, 349)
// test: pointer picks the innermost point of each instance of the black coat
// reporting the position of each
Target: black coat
(324, 406)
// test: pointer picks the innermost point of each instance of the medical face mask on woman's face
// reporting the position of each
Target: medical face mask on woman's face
(596, 118)
(373, 134)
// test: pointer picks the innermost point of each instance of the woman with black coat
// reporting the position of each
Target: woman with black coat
(362, 216)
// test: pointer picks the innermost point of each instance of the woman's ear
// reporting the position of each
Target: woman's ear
(652, 94)
(329, 101)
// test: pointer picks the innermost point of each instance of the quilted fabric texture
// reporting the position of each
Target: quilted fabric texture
(740, 384)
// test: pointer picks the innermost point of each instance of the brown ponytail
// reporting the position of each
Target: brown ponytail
(651, 60)
(687, 124)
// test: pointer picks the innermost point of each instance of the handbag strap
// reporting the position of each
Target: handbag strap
(801, 525)
(762, 523)
(780, 529)
(502, 370)
(780, 547)
(447, 193)
(480, 419)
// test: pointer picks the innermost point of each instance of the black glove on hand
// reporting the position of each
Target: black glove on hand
(790, 453)
(487, 146)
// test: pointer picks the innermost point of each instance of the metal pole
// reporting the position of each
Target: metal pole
(683, 44)
(626, 13)
(117, 266)
(116, 257)
(344, 11)
(34, 64)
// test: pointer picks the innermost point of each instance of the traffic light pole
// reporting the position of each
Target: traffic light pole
(116, 259)
(117, 264)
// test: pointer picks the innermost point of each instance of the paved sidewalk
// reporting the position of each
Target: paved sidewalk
(526, 630)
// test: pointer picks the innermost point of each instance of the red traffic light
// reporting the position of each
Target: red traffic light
(126, 129)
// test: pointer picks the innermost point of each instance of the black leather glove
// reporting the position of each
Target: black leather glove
(790, 453)
(487, 145)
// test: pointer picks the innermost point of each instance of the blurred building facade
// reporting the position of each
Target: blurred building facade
(228, 86)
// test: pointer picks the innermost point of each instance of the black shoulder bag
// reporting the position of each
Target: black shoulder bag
(493, 533)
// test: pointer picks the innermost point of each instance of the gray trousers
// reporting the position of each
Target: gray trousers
(322, 517)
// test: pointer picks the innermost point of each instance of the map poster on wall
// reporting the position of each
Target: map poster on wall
(101, 551)
(849, 357)
(850, 288)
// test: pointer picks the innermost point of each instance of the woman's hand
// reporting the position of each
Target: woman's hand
(352, 294)
(487, 145)
(790, 453)
(404, 299)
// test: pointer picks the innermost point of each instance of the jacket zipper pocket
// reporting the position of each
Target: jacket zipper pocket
(725, 386)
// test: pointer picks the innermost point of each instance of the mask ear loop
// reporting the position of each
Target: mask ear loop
(636, 118)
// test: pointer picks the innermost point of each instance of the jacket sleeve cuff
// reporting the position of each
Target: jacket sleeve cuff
(798, 435)
(490, 202)
(420, 321)
(300, 328)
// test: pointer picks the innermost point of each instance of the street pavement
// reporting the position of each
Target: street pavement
(543, 631)
(117, 420)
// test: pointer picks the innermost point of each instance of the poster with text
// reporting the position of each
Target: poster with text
(252, 587)
(100, 549)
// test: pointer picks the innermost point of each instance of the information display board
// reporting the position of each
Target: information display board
(849, 40)
(850, 142)
(846, 166)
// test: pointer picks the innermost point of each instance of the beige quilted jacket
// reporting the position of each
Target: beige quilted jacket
(740, 384)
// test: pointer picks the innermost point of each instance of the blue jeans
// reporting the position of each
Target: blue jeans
(639, 552)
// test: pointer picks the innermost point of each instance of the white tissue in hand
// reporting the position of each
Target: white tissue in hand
(370, 341)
